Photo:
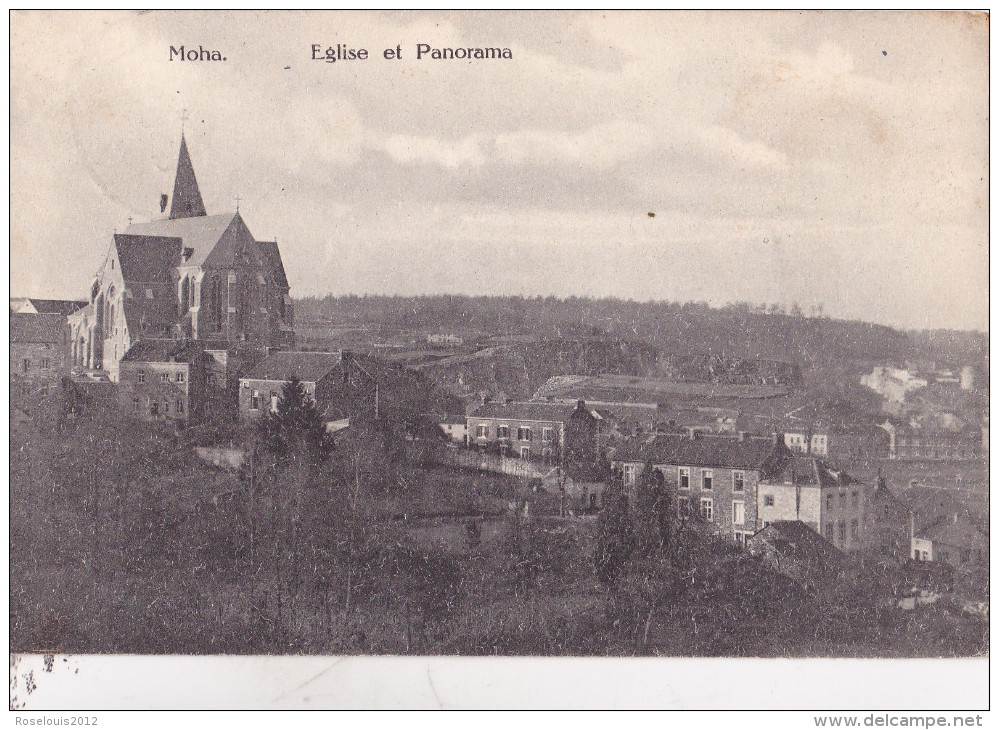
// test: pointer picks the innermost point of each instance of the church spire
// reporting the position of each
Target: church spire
(187, 201)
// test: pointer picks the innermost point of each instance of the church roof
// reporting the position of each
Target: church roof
(151, 311)
(270, 251)
(147, 258)
(187, 202)
(199, 234)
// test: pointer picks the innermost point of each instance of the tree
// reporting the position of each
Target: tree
(295, 427)
(615, 537)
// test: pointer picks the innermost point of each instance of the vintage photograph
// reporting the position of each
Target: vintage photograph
(498, 334)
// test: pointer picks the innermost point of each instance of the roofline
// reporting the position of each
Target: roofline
(529, 420)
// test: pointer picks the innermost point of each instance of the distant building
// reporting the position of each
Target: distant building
(827, 500)
(917, 443)
(455, 426)
(39, 352)
(714, 477)
(808, 440)
(549, 432)
(449, 340)
(893, 383)
(967, 378)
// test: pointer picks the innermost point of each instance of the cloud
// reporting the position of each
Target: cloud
(728, 146)
(409, 149)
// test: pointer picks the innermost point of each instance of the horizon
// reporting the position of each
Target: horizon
(833, 159)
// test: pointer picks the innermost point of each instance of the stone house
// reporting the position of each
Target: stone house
(827, 500)
(164, 380)
(39, 352)
(715, 478)
(552, 433)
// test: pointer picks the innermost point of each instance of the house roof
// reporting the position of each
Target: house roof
(51, 328)
(200, 233)
(801, 469)
(151, 309)
(524, 411)
(308, 367)
(931, 504)
(957, 533)
(161, 350)
(751, 453)
(147, 258)
(796, 540)
(51, 306)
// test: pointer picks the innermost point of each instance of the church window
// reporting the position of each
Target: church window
(136, 405)
(180, 406)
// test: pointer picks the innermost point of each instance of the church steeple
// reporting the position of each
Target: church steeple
(187, 201)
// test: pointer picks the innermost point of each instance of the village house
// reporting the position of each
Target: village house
(187, 276)
(161, 379)
(827, 500)
(549, 432)
(39, 352)
(714, 477)
(952, 540)
(261, 388)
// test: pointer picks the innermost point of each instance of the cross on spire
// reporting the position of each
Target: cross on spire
(237, 199)
(183, 118)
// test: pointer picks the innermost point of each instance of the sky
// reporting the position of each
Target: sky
(820, 158)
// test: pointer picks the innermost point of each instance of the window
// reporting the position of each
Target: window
(683, 506)
(830, 531)
(684, 477)
(136, 405)
(842, 531)
(855, 495)
(707, 477)
(255, 401)
(44, 389)
(181, 377)
(854, 530)
(180, 406)
(523, 433)
(45, 363)
(829, 501)
(26, 365)
(742, 537)
(738, 513)
(707, 509)
(525, 452)
(149, 293)
(768, 500)
(548, 434)
(140, 377)
(164, 377)
(629, 473)
(738, 481)
(154, 408)
(842, 500)
(274, 402)
(503, 431)
(166, 408)
(482, 431)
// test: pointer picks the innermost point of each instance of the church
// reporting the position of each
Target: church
(189, 276)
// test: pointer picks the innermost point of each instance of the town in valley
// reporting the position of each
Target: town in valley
(214, 464)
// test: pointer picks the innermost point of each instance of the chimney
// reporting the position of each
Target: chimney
(742, 435)
(692, 433)
(581, 405)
